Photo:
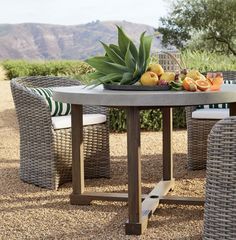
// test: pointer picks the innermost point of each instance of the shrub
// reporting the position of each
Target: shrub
(206, 61)
(20, 68)
(150, 120)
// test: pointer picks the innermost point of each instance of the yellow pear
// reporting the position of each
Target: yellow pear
(168, 76)
(149, 79)
(156, 68)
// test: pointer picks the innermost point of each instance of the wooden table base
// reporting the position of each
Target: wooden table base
(150, 202)
(140, 207)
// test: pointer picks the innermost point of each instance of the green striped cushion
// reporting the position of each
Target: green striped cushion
(56, 108)
(221, 105)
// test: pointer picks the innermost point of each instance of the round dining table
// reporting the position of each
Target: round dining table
(140, 207)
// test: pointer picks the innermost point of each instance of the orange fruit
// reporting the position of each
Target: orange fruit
(189, 84)
(202, 85)
(215, 87)
(218, 80)
(215, 79)
(210, 81)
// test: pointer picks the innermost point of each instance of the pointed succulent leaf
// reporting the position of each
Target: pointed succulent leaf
(123, 40)
(94, 75)
(129, 60)
(144, 51)
(106, 67)
(133, 50)
(97, 59)
(116, 49)
(113, 55)
(136, 71)
(109, 78)
(147, 41)
(134, 80)
(126, 78)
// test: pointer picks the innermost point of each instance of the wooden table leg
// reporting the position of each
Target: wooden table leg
(167, 144)
(77, 156)
(134, 224)
(232, 109)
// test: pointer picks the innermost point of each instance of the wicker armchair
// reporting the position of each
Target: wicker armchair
(220, 205)
(198, 131)
(45, 153)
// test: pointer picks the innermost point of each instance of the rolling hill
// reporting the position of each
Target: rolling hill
(47, 41)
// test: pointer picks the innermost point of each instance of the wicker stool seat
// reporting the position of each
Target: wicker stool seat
(220, 206)
(45, 152)
(198, 131)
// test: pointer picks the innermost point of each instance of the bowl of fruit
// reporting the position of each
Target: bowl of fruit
(127, 67)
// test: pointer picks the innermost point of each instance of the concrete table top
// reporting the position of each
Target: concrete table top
(98, 96)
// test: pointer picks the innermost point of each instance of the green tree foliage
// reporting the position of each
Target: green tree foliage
(201, 24)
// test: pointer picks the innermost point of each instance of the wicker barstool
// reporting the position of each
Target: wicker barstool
(198, 131)
(220, 206)
(45, 153)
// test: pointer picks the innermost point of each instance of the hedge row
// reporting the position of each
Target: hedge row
(151, 120)
(20, 68)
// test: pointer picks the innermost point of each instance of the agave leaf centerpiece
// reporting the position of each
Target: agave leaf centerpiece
(123, 64)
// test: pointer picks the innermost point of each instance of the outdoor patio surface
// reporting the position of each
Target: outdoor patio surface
(29, 212)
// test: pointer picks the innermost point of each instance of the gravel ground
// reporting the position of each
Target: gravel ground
(29, 212)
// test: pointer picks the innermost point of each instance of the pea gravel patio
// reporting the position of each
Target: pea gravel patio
(29, 212)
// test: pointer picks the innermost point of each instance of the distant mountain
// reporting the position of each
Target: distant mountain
(46, 41)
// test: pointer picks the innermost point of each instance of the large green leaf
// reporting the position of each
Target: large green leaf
(116, 49)
(107, 79)
(123, 40)
(106, 67)
(110, 78)
(113, 55)
(129, 60)
(133, 51)
(95, 75)
(147, 41)
(144, 51)
(141, 52)
(126, 78)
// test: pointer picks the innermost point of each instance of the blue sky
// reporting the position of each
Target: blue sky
(71, 12)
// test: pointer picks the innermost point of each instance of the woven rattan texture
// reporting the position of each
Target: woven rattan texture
(198, 131)
(45, 153)
(220, 206)
(167, 62)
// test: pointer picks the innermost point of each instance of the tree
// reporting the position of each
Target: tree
(204, 23)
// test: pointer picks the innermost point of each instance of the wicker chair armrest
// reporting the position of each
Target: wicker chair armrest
(30, 107)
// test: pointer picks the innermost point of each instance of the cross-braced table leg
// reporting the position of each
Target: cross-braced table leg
(139, 212)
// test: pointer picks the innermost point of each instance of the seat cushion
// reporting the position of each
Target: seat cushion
(221, 105)
(210, 113)
(56, 108)
(60, 122)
